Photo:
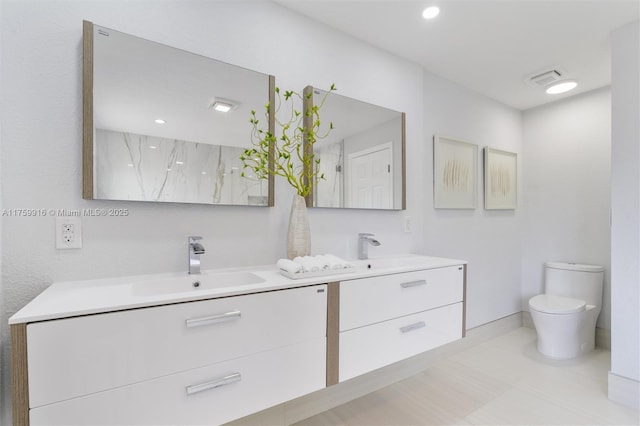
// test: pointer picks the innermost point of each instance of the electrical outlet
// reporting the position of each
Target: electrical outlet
(407, 224)
(68, 232)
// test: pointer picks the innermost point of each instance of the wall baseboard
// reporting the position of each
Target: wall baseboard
(331, 397)
(603, 335)
(624, 391)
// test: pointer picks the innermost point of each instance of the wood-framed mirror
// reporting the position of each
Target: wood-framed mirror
(155, 126)
(363, 158)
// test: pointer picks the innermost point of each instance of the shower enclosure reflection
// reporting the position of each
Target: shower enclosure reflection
(165, 125)
(131, 166)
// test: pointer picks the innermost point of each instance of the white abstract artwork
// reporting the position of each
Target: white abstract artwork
(500, 179)
(455, 170)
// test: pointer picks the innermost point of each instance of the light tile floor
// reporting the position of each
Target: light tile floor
(503, 381)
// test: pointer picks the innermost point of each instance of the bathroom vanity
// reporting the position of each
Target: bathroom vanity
(160, 349)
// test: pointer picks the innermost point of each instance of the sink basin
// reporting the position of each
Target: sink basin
(390, 262)
(192, 283)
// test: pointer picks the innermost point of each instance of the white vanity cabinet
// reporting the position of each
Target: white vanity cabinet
(205, 362)
(98, 352)
(387, 318)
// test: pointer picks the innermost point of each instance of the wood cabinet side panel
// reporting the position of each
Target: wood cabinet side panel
(19, 375)
(333, 328)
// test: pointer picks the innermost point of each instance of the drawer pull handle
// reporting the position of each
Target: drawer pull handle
(213, 319)
(413, 283)
(412, 327)
(227, 380)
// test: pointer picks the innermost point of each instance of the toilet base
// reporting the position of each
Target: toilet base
(566, 350)
(565, 336)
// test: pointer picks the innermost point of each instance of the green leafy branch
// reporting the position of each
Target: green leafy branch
(293, 156)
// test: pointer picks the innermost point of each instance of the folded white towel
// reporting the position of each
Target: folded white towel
(334, 261)
(290, 266)
(318, 263)
(331, 262)
(308, 263)
(337, 263)
(322, 262)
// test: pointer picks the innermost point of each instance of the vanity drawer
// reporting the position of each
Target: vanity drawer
(253, 383)
(78, 356)
(370, 300)
(368, 348)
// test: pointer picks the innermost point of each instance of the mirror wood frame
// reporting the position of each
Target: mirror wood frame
(308, 150)
(88, 122)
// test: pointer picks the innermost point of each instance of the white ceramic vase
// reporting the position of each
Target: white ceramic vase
(299, 236)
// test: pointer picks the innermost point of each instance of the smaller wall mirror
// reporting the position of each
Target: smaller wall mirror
(165, 125)
(362, 158)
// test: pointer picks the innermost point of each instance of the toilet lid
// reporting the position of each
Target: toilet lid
(553, 304)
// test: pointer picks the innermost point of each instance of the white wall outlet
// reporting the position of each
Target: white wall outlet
(407, 224)
(68, 232)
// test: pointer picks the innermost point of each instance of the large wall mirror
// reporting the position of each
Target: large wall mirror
(165, 125)
(362, 158)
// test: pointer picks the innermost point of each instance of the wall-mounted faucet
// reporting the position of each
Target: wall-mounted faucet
(195, 250)
(363, 244)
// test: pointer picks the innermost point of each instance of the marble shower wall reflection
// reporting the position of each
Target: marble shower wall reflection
(137, 167)
(329, 192)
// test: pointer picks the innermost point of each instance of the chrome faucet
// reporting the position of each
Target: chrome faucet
(195, 250)
(363, 244)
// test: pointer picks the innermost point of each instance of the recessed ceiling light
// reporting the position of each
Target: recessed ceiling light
(561, 87)
(222, 106)
(129, 165)
(180, 163)
(152, 147)
(431, 12)
(159, 121)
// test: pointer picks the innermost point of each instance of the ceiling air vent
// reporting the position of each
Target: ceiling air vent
(546, 78)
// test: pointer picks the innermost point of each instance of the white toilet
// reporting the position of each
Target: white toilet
(565, 315)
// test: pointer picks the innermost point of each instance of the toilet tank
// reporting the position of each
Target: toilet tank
(576, 281)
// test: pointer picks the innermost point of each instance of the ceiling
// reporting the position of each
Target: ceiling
(136, 81)
(489, 46)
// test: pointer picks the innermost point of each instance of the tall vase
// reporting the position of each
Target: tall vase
(299, 236)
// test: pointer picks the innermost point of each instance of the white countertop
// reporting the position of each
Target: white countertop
(74, 298)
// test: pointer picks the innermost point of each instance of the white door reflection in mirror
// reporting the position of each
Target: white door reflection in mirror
(370, 179)
(362, 159)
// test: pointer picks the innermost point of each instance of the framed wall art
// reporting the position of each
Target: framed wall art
(455, 171)
(500, 179)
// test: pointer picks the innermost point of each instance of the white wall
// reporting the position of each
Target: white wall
(41, 134)
(567, 151)
(41, 152)
(489, 240)
(624, 380)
